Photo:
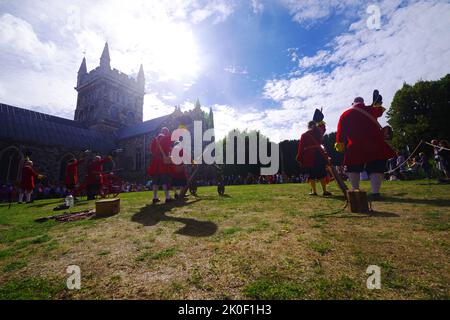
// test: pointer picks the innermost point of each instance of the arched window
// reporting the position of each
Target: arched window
(10, 160)
(130, 117)
(63, 165)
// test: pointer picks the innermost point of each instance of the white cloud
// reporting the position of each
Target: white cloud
(257, 6)
(310, 12)
(34, 89)
(319, 60)
(220, 10)
(18, 38)
(413, 44)
(50, 38)
(155, 107)
(236, 70)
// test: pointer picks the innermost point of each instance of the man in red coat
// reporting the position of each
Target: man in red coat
(361, 137)
(27, 183)
(160, 167)
(94, 179)
(71, 179)
(311, 156)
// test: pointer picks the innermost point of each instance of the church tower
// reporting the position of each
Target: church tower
(107, 98)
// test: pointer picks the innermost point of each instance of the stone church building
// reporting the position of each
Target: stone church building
(108, 116)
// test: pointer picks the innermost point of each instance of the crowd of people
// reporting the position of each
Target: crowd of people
(54, 191)
(360, 137)
(367, 155)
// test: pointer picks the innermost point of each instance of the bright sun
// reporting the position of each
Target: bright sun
(171, 51)
(166, 46)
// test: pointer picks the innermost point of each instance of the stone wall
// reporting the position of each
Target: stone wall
(47, 160)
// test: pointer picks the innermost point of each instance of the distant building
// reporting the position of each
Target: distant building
(108, 116)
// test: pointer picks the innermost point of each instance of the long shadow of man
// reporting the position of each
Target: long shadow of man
(151, 215)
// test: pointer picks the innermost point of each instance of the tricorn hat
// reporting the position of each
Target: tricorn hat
(377, 98)
(318, 116)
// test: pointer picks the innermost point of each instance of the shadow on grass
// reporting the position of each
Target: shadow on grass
(433, 183)
(428, 202)
(44, 204)
(373, 214)
(343, 213)
(151, 215)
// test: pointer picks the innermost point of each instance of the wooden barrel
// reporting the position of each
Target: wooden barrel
(107, 207)
(357, 201)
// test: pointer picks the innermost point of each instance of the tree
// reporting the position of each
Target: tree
(420, 112)
(246, 169)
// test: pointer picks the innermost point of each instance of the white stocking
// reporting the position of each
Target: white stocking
(28, 195)
(20, 196)
(155, 191)
(354, 178)
(166, 191)
(376, 179)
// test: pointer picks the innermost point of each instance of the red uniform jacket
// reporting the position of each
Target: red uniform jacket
(95, 171)
(157, 165)
(179, 171)
(72, 172)
(309, 143)
(28, 177)
(360, 131)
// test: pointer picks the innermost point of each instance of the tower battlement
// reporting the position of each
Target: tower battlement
(112, 75)
(109, 99)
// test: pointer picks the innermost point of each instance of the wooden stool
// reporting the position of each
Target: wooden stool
(357, 201)
(107, 207)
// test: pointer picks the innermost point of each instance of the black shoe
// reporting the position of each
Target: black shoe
(313, 194)
(169, 200)
(177, 196)
(155, 201)
(327, 194)
(376, 197)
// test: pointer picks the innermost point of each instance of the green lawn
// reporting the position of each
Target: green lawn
(257, 242)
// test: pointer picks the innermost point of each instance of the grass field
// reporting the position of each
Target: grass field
(257, 242)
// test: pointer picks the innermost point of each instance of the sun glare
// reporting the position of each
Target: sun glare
(166, 47)
(175, 52)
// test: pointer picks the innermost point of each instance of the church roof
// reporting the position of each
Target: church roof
(142, 128)
(17, 124)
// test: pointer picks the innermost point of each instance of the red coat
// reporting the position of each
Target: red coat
(95, 170)
(72, 172)
(157, 165)
(28, 177)
(360, 131)
(309, 143)
(179, 171)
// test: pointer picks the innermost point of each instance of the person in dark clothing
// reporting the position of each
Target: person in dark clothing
(425, 164)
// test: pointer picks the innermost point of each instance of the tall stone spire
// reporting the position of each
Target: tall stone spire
(105, 60)
(82, 71)
(211, 118)
(141, 77)
(83, 67)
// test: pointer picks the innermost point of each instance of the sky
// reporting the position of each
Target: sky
(259, 64)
